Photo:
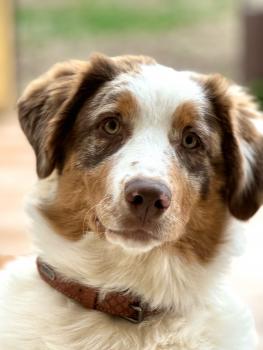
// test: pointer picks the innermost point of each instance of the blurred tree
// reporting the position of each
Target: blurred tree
(7, 61)
(253, 50)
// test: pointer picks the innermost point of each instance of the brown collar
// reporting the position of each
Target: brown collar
(117, 304)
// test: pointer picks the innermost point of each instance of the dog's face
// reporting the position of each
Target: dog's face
(145, 155)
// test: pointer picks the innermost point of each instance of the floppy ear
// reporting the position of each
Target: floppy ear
(242, 145)
(49, 106)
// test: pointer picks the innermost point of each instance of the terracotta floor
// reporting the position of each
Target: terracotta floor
(17, 176)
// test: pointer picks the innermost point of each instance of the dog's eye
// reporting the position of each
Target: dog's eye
(111, 126)
(190, 140)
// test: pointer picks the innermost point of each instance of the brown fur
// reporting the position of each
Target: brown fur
(204, 234)
(39, 104)
(234, 112)
(203, 217)
(131, 64)
(49, 106)
(57, 113)
(89, 139)
(185, 114)
(126, 105)
(72, 213)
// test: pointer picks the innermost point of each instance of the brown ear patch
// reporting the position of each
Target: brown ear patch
(38, 105)
(99, 71)
(241, 145)
(49, 106)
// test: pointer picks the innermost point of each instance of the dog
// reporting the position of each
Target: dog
(144, 175)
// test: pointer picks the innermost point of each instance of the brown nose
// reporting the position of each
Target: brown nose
(147, 198)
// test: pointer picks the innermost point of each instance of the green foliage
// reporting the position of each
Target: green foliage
(257, 89)
(39, 21)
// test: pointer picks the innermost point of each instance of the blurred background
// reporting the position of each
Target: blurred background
(223, 36)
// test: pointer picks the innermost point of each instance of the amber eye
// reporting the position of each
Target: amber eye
(111, 126)
(190, 140)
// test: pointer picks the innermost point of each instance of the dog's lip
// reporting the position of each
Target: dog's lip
(135, 234)
(139, 234)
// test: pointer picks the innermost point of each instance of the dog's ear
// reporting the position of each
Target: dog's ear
(50, 104)
(242, 144)
(38, 106)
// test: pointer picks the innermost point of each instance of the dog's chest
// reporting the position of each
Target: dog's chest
(36, 317)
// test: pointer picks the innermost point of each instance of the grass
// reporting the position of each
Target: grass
(75, 20)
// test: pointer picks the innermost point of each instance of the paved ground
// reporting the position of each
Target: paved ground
(16, 178)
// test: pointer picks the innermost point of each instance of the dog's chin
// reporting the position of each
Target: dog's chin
(135, 242)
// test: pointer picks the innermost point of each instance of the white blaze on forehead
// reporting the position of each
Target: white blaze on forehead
(158, 90)
(142, 156)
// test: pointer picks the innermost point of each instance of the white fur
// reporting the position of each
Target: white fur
(201, 313)
(248, 162)
(258, 123)
(248, 153)
(158, 91)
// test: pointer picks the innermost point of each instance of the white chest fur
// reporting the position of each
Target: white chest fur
(36, 317)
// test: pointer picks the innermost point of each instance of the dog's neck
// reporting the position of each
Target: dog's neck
(160, 277)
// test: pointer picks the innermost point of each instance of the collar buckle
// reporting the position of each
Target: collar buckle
(138, 318)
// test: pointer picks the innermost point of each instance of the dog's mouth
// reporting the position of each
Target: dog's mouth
(131, 238)
(137, 235)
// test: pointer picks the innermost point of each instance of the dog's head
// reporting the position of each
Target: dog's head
(144, 155)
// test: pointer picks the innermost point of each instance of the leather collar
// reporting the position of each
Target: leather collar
(123, 305)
